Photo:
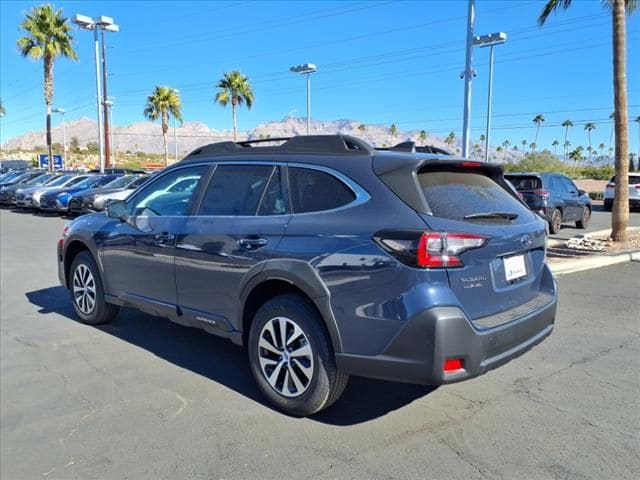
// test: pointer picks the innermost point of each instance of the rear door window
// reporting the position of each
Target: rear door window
(236, 190)
(456, 195)
(314, 191)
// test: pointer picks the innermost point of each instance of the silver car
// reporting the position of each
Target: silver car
(30, 197)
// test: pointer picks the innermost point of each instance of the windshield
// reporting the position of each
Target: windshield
(525, 182)
(55, 181)
(73, 181)
(633, 179)
(41, 180)
(10, 175)
(86, 182)
(121, 182)
(139, 181)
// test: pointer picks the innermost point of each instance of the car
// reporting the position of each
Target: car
(324, 258)
(634, 192)
(555, 197)
(83, 202)
(8, 193)
(100, 202)
(29, 197)
(20, 177)
(57, 200)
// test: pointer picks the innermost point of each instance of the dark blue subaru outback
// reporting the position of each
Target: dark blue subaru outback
(325, 258)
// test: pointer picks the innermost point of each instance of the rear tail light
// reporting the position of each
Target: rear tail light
(430, 249)
(452, 365)
(542, 193)
(65, 232)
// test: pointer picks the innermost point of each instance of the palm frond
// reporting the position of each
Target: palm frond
(552, 6)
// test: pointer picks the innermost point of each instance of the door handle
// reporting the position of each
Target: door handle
(252, 243)
(163, 239)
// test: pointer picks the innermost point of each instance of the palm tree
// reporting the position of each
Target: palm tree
(602, 146)
(612, 117)
(619, 9)
(576, 156)
(506, 144)
(162, 103)
(235, 88)
(589, 126)
(393, 130)
(499, 149)
(555, 144)
(2, 111)
(566, 124)
(533, 146)
(637, 120)
(48, 36)
(538, 120)
(362, 127)
(423, 136)
(450, 140)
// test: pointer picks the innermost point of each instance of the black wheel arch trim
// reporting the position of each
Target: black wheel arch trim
(305, 278)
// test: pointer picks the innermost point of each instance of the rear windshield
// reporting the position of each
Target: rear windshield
(456, 195)
(633, 179)
(525, 182)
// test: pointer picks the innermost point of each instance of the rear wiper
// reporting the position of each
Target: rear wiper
(504, 215)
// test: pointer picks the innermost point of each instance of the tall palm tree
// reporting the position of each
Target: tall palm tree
(555, 144)
(612, 117)
(162, 103)
(538, 120)
(2, 110)
(47, 37)
(619, 9)
(423, 136)
(506, 144)
(589, 126)
(235, 88)
(533, 146)
(637, 120)
(450, 140)
(393, 130)
(362, 127)
(566, 124)
(602, 146)
(524, 144)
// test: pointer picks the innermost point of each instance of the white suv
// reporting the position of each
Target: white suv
(634, 192)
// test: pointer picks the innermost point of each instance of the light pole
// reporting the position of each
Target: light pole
(95, 24)
(306, 69)
(490, 40)
(468, 75)
(1, 117)
(175, 131)
(109, 109)
(64, 136)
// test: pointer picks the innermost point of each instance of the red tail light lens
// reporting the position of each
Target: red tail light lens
(441, 249)
(542, 193)
(452, 365)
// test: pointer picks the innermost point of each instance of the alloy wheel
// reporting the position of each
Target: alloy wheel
(286, 357)
(84, 289)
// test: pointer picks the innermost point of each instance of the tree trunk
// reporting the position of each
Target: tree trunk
(165, 129)
(48, 99)
(620, 214)
(566, 149)
(235, 122)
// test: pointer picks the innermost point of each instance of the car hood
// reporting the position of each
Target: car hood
(97, 191)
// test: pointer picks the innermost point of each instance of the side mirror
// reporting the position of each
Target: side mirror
(117, 209)
(581, 192)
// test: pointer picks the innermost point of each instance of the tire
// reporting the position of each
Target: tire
(586, 216)
(556, 221)
(87, 292)
(608, 204)
(311, 380)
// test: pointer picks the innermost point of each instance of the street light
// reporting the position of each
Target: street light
(175, 132)
(64, 136)
(490, 41)
(306, 69)
(105, 24)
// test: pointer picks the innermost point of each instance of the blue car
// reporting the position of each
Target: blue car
(57, 200)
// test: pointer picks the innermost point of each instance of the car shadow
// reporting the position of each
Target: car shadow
(211, 357)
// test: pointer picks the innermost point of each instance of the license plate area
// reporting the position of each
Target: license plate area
(515, 267)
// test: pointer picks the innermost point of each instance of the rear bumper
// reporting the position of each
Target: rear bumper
(418, 352)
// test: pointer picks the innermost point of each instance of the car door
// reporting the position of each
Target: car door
(240, 222)
(138, 255)
(572, 199)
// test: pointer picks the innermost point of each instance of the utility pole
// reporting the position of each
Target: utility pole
(105, 110)
(468, 76)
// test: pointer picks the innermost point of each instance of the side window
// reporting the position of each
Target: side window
(313, 191)
(236, 190)
(568, 185)
(274, 201)
(554, 184)
(170, 195)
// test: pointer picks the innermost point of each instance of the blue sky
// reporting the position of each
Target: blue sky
(378, 62)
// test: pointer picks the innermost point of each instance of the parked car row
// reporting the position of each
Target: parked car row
(67, 192)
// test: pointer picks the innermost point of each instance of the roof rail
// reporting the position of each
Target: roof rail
(411, 147)
(331, 144)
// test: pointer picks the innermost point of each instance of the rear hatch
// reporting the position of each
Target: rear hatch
(472, 199)
(634, 187)
(530, 187)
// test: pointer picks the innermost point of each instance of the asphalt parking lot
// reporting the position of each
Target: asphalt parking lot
(145, 398)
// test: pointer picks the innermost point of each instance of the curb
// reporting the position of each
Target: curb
(573, 266)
